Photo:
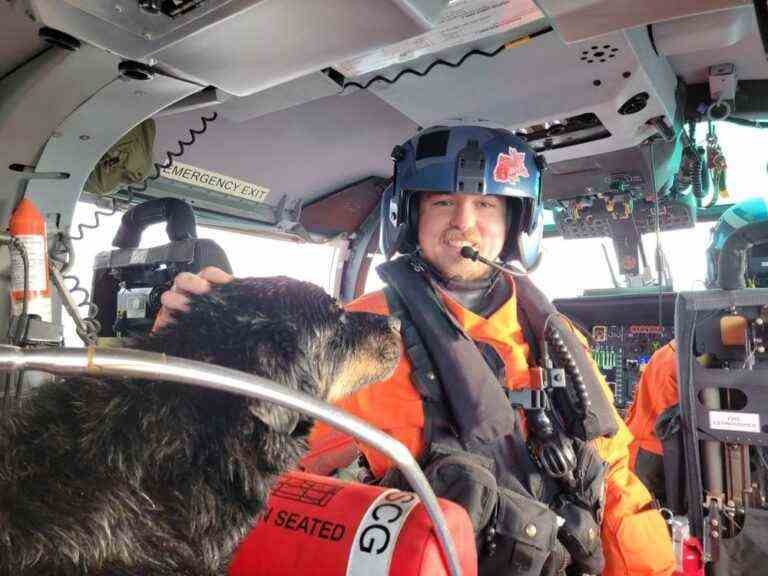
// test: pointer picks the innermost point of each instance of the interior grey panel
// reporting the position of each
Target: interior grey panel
(307, 151)
(18, 38)
(546, 80)
(241, 46)
(583, 19)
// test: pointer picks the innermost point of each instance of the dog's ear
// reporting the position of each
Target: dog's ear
(280, 419)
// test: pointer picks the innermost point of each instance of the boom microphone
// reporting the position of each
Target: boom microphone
(471, 254)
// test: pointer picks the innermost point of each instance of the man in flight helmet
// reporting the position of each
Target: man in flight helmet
(543, 475)
(495, 394)
(737, 257)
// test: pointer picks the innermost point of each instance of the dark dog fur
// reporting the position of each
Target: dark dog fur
(125, 476)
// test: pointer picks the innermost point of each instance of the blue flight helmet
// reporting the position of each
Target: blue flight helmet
(466, 160)
(737, 255)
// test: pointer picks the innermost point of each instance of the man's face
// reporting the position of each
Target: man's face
(447, 222)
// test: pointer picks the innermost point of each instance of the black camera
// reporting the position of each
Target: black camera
(128, 282)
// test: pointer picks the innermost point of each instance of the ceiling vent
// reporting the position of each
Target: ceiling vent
(598, 53)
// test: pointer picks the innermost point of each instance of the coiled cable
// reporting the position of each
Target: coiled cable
(169, 156)
(441, 62)
(93, 325)
(553, 338)
(81, 228)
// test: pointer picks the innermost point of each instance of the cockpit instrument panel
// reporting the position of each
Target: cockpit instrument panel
(624, 332)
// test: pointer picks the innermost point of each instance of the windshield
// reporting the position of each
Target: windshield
(249, 255)
(568, 268)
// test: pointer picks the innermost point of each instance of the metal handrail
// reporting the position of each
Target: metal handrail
(95, 361)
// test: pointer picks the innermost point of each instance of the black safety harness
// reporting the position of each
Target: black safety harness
(534, 491)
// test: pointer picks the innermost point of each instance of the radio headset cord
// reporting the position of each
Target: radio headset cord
(441, 62)
(94, 327)
(553, 451)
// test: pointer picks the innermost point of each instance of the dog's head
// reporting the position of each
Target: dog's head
(289, 331)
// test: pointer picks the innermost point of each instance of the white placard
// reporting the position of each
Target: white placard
(461, 22)
(734, 421)
(37, 264)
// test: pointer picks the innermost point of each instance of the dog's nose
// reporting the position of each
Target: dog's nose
(394, 323)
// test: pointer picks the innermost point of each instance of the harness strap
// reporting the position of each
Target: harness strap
(423, 375)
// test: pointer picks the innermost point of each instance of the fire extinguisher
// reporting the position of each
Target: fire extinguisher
(687, 549)
(27, 227)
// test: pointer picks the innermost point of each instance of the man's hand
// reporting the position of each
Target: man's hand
(184, 285)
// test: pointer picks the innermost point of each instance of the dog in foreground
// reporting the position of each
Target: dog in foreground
(109, 476)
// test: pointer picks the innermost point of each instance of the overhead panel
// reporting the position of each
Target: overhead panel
(19, 40)
(464, 23)
(695, 43)
(578, 20)
(241, 46)
(281, 97)
(580, 99)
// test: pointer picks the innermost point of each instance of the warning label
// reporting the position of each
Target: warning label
(734, 421)
(305, 524)
(215, 181)
(37, 267)
(462, 21)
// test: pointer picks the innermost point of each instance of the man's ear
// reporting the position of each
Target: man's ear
(274, 416)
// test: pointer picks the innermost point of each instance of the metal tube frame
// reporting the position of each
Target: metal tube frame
(95, 361)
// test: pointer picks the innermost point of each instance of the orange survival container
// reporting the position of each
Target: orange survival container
(327, 527)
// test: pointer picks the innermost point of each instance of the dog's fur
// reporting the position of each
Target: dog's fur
(126, 476)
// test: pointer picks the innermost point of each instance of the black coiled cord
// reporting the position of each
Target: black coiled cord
(94, 326)
(169, 156)
(93, 309)
(559, 348)
(81, 228)
(441, 62)
(132, 189)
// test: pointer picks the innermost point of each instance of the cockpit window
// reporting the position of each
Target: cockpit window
(249, 255)
(744, 148)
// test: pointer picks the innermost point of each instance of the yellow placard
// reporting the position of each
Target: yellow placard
(215, 181)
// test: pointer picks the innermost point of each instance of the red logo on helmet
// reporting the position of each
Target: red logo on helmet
(510, 167)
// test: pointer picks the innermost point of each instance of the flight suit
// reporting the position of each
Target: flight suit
(635, 537)
(656, 391)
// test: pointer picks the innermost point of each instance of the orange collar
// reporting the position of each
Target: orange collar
(500, 326)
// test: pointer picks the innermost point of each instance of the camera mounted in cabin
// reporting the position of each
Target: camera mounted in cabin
(128, 281)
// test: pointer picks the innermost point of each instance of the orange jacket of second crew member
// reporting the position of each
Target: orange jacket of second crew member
(635, 538)
(656, 391)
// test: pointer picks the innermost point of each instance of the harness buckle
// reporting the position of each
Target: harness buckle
(556, 378)
(528, 399)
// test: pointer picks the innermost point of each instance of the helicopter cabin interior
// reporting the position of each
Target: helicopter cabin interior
(268, 125)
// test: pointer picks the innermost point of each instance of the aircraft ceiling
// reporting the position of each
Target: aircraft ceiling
(286, 123)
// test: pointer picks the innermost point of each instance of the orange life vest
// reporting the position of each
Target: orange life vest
(635, 537)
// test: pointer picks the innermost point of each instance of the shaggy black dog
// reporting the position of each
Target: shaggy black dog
(127, 476)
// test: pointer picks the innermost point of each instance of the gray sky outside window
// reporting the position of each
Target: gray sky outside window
(248, 255)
